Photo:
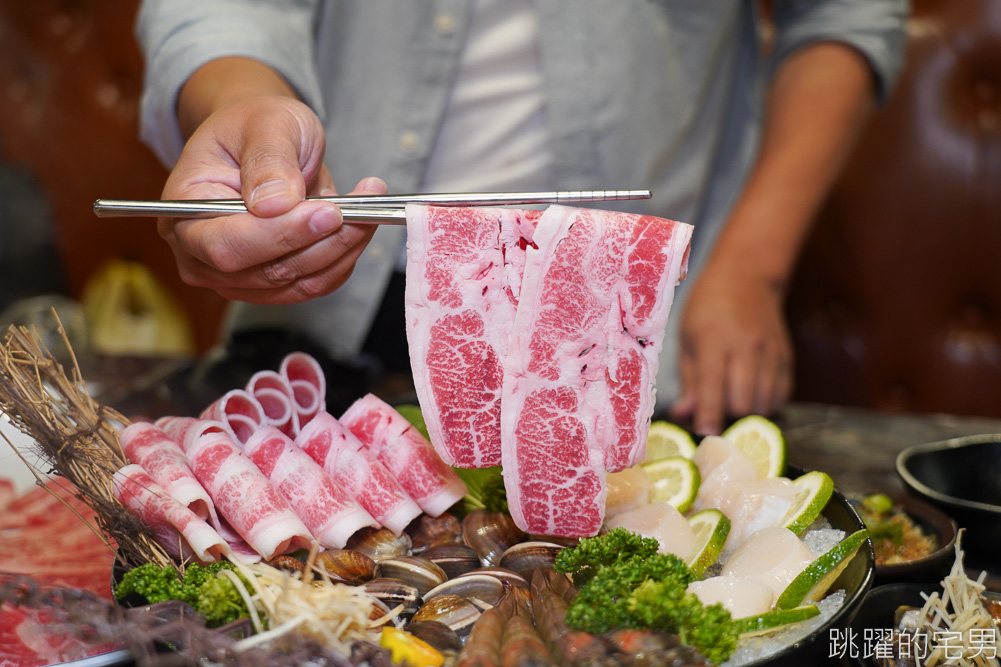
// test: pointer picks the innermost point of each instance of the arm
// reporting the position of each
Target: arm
(249, 136)
(736, 355)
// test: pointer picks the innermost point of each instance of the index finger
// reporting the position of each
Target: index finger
(240, 241)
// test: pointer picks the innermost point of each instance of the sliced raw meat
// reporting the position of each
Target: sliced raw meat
(238, 411)
(274, 392)
(245, 498)
(579, 380)
(178, 530)
(309, 385)
(163, 459)
(463, 276)
(331, 513)
(406, 453)
(354, 468)
(185, 430)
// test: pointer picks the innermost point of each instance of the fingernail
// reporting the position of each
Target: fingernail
(325, 220)
(269, 190)
(374, 184)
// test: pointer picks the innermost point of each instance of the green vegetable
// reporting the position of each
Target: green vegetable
(213, 596)
(877, 503)
(413, 414)
(485, 489)
(618, 544)
(666, 606)
(625, 583)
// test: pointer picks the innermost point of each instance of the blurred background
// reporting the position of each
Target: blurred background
(896, 305)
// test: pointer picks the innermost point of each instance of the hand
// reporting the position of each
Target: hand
(269, 151)
(736, 354)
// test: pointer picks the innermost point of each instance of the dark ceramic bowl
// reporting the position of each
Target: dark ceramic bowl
(876, 616)
(935, 565)
(856, 580)
(962, 477)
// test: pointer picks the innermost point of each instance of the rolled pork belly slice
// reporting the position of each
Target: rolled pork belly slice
(330, 513)
(181, 532)
(578, 388)
(406, 454)
(185, 430)
(274, 392)
(245, 497)
(309, 385)
(148, 445)
(358, 471)
(464, 268)
(239, 411)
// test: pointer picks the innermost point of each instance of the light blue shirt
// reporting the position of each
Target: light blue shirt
(640, 94)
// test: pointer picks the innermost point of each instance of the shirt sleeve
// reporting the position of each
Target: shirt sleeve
(179, 36)
(876, 28)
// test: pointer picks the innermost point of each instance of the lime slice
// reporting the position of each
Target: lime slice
(675, 480)
(811, 584)
(666, 439)
(711, 528)
(762, 441)
(775, 620)
(815, 489)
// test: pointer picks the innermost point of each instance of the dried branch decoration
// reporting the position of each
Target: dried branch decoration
(75, 436)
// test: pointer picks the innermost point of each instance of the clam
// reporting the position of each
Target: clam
(379, 543)
(509, 578)
(346, 565)
(286, 563)
(419, 572)
(437, 634)
(394, 592)
(454, 559)
(526, 557)
(456, 612)
(426, 531)
(482, 587)
(490, 534)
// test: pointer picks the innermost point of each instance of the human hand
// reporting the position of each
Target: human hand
(736, 354)
(269, 151)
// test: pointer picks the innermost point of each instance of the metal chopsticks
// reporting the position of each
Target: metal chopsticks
(371, 209)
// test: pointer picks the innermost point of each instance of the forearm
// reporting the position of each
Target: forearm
(222, 82)
(817, 104)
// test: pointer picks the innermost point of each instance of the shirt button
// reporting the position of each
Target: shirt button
(444, 24)
(409, 141)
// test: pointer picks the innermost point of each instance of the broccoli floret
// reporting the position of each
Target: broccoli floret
(645, 590)
(214, 597)
(663, 605)
(603, 602)
(618, 544)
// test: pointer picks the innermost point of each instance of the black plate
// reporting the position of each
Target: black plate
(962, 477)
(856, 580)
(937, 564)
(876, 615)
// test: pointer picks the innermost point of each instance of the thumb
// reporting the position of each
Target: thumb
(271, 174)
